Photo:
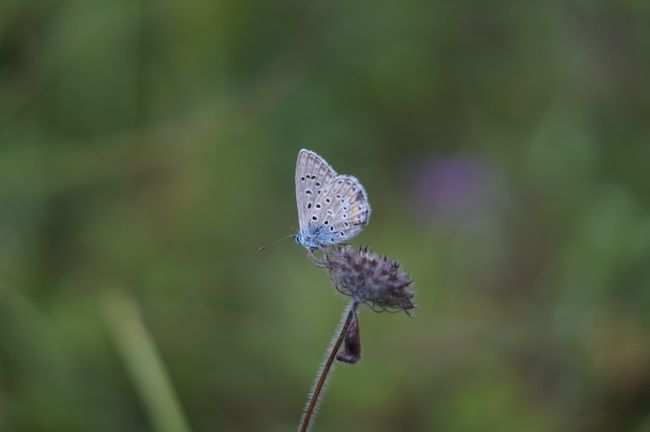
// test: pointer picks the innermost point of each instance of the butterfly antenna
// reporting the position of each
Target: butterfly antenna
(275, 242)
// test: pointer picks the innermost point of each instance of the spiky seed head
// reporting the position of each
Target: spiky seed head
(368, 278)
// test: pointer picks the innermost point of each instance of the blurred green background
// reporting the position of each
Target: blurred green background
(148, 148)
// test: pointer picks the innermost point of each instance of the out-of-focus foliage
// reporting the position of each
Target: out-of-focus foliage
(147, 149)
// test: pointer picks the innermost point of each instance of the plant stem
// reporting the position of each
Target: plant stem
(143, 362)
(322, 376)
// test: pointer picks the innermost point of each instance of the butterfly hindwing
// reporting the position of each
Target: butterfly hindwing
(342, 209)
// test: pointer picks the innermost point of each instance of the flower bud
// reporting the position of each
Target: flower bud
(352, 344)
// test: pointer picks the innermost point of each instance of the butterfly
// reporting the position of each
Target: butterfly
(332, 208)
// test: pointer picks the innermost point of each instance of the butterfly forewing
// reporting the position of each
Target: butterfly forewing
(312, 173)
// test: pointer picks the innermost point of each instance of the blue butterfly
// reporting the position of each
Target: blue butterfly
(332, 208)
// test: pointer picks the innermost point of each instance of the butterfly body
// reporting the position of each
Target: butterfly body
(332, 208)
(315, 237)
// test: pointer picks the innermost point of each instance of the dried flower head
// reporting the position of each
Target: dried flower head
(368, 278)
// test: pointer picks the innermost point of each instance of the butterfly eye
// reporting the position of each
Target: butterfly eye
(317, 205)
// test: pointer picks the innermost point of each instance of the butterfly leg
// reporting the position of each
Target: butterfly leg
(317, 261)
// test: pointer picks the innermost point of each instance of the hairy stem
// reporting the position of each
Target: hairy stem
(321, 379)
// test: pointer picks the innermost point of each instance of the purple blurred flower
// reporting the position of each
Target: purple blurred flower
(457, 189)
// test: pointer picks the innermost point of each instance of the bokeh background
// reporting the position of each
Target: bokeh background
(147, 149)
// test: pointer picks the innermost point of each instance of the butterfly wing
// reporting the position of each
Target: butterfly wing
(312, 174)
(342, 208)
